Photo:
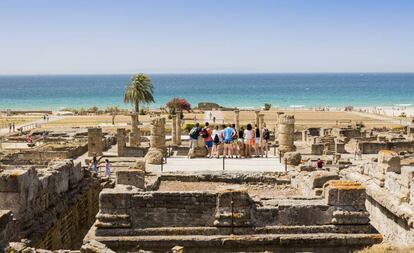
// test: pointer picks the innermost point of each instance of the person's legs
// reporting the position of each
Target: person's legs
(266, 148)
(192, 147)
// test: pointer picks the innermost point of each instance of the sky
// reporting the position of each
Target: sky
(215, 36)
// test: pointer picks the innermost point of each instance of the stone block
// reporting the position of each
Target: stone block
(154, 156)
(95, 143)
(292, 158)
(344, 193)
(319, 178)
(407, 176)
(132, 177)
(116, 198)
(317, 149)
(390, 161)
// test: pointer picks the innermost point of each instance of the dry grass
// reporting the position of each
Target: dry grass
(385, 248)
(18, 120)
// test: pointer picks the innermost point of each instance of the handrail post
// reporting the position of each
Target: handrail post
(223, 162)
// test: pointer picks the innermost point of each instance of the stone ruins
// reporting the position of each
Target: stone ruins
(156, 200)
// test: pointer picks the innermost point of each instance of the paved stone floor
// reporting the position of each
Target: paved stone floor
(183, 164)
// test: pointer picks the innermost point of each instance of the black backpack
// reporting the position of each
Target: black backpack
(216, 139)
(195, 132)
(266, 134)
(204, 133)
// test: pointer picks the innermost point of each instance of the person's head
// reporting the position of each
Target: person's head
(233, 125)
(264, 124)
(217, 127)
(223, 126)
(207, 124)
(319, 159)
(197, 124)
(255, 125)
(106, 160)
(249, 127)
(242, 128)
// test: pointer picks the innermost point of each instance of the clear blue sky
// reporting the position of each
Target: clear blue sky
(91, 36)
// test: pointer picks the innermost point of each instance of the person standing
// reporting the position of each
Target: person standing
(257, 144)
(248, 140)
(14, 127)
(235, 146)
(265, 141)
(107, 168)
(217, 141)
(94, 163)
(194, 134)
(206, 133)
(10, 127)
(240, 142)
(228, 135)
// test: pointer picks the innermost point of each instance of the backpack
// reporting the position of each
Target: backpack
(216, 139)
(194, 133)
(266, 134)
(204, 133)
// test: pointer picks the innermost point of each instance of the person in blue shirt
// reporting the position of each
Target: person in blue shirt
(228, 135)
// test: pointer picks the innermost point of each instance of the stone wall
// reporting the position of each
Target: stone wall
(390, 201)
(153, 219)
(374, 147)
(55, 199)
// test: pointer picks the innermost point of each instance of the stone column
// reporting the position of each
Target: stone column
(174, 129)
(257, 117)
(286, 131)
(95, 144)
(178, 127)
(237, 119)
(120, 140)
(157, 148)
(261, 123)
(135, 136)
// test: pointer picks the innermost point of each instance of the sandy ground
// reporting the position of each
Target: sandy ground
(304, 119)
(18, 120)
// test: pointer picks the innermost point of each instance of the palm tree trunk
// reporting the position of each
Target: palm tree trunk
(137, 111)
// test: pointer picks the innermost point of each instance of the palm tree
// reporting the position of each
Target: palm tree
(140, 90)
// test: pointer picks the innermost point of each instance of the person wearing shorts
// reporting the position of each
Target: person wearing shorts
(248, 140)
(228, 135)
(240, 142)
(217, 141)
(266, 139)
(209, 139)
(257, 142)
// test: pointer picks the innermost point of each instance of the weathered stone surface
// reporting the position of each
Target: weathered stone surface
(345, 193)
(95, 247)
(132, 177)
(95, 144)
(319, 178)
(390, 161)
(292, 158)
(154, 156)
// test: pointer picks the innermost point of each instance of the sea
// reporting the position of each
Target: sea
(56, 92)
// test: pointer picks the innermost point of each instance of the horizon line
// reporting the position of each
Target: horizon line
(207, 73)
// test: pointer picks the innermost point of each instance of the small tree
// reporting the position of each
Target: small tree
(113, 111)
(176, 104)
(267, 107)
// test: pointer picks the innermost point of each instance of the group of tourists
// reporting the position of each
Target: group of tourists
(234, 143)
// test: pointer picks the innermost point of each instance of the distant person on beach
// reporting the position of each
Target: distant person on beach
(13, 126)
(194, 134)
(217, 141)
(210, 115)
(47, 118)
(44, 118)
(206, 133)
(248, 140)
(10, 127)
(214, 120)
(265, 140)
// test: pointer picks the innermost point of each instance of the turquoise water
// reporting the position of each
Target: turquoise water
(244, 90)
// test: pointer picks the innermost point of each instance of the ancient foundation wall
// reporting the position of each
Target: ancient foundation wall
(375, 146)
(56, 198)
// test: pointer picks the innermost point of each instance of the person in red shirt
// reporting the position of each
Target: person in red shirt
(207, 133)
(319, 163)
